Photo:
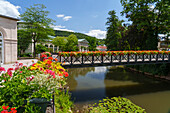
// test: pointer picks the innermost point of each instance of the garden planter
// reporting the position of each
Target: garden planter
(41, 102)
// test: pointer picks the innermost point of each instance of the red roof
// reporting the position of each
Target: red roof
(102, 47)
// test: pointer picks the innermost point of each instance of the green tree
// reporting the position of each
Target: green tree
(41, 48)
(24, 40)
(72, 43)
(92, 40)
(113, 34)
(37, 24)
(150, 18)
(60, 41)
(92, 43)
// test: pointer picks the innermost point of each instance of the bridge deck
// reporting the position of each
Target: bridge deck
(86, 61)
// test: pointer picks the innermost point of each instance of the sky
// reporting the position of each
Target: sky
(84, 16)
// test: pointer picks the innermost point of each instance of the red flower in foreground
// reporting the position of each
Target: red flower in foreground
(49, 62)
(60, 74)
(50, 58)
(66, 74)
(10, 69)
(13, 110)
(9, 73)
(42, 56)
(4, 111)
(2, 69)
(5, 107)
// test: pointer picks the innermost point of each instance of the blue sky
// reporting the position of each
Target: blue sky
(85, 16)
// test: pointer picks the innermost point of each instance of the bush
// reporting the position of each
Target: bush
(116, 105)
(41, 80)
(26, 55)
(62, 102)
(40, 48)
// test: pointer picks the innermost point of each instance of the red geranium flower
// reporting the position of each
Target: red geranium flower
(10, 69)
(60, 74)
(49, 62)
(66, 74)
(5, 107)
(50, 58)
(2, 69)
(13, 110)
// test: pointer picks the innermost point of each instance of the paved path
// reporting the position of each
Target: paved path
(27, 62)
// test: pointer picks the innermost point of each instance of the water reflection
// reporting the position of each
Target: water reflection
(93, 84)
(75, 73)
(119, 82)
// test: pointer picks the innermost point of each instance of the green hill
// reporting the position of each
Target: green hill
(93, 41)
(67, 33)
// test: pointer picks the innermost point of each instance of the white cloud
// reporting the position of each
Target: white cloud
(60, 16)
(66, 18)
(61, 28)
(97, 33)
(8, 9)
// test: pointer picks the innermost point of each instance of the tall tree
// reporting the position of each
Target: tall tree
(113, 34)
(150, 18)
(38, 24)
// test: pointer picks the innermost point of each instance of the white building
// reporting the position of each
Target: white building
(163, 44)
(8, 39)
(83, 44)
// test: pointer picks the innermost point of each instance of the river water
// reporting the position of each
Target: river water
(89, 85)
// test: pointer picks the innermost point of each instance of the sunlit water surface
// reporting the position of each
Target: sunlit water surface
(89, 85)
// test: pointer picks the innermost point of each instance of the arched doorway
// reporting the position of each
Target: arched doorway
(1, 49)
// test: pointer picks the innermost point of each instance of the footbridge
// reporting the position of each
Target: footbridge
(111, 58)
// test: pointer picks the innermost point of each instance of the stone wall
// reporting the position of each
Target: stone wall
(8, 27)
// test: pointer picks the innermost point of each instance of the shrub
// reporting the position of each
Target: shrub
(41, 48)
(115, 105)
(41, 80)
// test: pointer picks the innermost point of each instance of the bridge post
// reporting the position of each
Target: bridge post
(102, 59)
(128, 58)
(135, 58)
(82, 62)
(92, 59)
(71, 60)
(150, 58)
(156, 57)
(119, 58)
(111, 60)
(143, 58)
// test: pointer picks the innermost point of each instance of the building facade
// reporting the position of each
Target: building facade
(8, 39)
(83, 45)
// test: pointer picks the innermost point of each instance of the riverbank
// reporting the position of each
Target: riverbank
(159, 77)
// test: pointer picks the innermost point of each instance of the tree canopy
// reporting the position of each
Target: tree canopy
(60, 41)
(113, 33)
(149, 18)
(72, 43)
(37, 23)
